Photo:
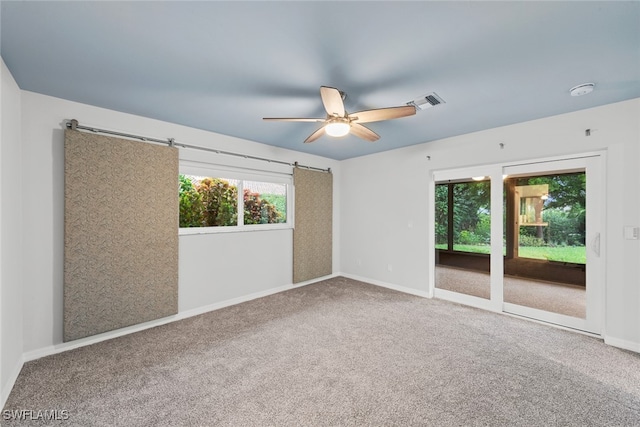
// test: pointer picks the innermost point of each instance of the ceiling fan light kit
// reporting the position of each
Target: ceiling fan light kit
(337, 128)
(340, 123)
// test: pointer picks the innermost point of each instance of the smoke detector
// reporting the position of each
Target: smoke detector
(582, 89)
(426, 101)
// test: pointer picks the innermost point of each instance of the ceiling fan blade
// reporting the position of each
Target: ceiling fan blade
(364, 132)
(317, 134)
(286, 119)
(380, 114)
(332, 100)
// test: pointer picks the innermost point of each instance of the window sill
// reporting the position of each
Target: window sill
(191, 231)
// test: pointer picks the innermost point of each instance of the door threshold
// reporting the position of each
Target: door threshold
(555, 325)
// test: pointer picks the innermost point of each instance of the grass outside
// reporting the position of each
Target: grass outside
(573, 254)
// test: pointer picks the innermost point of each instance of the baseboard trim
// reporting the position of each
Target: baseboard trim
(82, 342)
(13, 377)
(94, 339)
(623, 344)
(239, 300)
(387, 285)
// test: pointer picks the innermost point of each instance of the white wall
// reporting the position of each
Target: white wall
(213, 268)
(395, 232)
(10, 234)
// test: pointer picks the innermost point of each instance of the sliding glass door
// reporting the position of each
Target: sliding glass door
(523, 239)
(463, 224)
(553, 268)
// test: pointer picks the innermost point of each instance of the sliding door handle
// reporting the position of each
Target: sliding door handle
(595, 244)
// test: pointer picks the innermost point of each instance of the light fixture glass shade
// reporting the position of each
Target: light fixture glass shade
(337, 129)
(478, 178)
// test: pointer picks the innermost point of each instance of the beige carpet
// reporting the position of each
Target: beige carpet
(338, 353)
(559, 298)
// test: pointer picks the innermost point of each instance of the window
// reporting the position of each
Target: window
(264, 202)
(463, 220)
(211, 202)
(208, 202)
(548, 217)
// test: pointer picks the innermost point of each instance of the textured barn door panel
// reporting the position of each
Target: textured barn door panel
(312, 235)
(121, 233)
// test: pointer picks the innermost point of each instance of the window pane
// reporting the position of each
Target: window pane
(545, 262)
(264, 203)
(463, 234)
(552, 217)
(472, 219)
(208, 202)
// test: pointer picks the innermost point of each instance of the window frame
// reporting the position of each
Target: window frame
(242, 175)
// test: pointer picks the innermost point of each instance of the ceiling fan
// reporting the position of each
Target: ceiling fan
(339, 123)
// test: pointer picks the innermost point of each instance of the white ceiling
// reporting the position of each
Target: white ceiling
(223, 66)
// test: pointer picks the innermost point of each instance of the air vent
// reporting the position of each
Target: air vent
(432, 100)
(426, 101)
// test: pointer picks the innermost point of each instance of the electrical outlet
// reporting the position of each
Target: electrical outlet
(389, 267)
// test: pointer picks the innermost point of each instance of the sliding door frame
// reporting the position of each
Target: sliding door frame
(595, 241)
(494, 172)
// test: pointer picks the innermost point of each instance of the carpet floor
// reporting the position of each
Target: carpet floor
(338, 353)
